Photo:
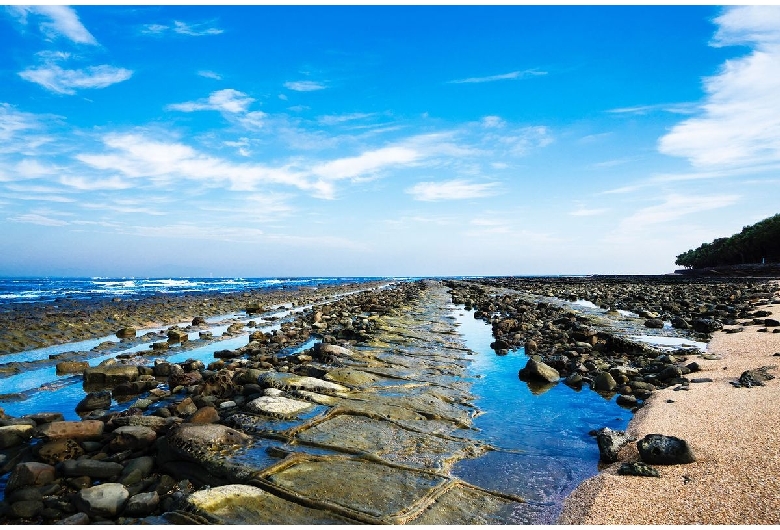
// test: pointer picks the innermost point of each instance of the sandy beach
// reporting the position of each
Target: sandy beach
(734, 433)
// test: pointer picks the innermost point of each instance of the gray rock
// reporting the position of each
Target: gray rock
(654, 323)
(626, 400)
(538, 371)
(143, 464)
(133, 437)
(105, 500)
(91, 468)
(664, 450)
(610, 443)
(706, 325)
(278, 406)
(142, 504)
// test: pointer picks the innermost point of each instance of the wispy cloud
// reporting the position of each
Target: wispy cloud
(209, 74)
(56, 79)
(672, 208)
(59, 21)
(673, 108)
(336, 119)
(227, 100)
(518, 74)
(739, 125)
(37, 219)
(182, 28)
(450, 190)
(304, 86)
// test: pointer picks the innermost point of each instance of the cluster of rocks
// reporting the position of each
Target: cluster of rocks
(654, 449)
(133, 465)
(565, 345)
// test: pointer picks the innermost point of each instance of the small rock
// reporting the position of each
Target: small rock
(133, 437)
(13, 435)
(30, 474)
(142, 504)
(205, 415)
(654, 323)
(90, 468)
(26, 509)
(71, 367)
(638, 469)
(105, 500)
(77, 518)
(701, 380)
(771, 323)
(604, 382)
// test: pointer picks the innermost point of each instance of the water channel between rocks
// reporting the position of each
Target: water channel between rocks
(543, 447)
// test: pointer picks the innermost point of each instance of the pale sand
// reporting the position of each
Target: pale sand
(734, 433)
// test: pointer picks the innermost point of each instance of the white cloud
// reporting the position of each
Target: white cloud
(519, 74)
(739, 124)
(61, 20)
(492, 122)
(195, 30)
(226, 100)
(304, 86)
(366, 163)
(451, 190)
(13, 122)
(62, 81)
(209, 74)
(154, 29)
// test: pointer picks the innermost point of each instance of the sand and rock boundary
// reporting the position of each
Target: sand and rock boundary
(734, 433)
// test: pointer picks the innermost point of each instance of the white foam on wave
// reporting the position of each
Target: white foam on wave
(675, 342)
(585, 303)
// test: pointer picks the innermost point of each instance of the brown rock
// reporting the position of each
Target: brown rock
(110, 375)
(30, 474)
(59, 451)
(205, 415)
(126, 333)
(77, 430)
(186, 407)
(72, 367)
(133, 437)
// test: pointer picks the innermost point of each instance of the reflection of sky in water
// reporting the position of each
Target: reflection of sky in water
(544, 446)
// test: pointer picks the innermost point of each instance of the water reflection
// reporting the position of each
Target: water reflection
(540, 431)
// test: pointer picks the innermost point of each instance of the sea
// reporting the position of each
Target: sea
(47, 290)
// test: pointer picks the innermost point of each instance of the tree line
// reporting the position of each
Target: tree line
(758, 243)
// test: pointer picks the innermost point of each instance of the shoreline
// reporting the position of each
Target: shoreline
(734, 433)
(25, 328)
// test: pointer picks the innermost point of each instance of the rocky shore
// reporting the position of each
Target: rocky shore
(258, 436)
(266, 434)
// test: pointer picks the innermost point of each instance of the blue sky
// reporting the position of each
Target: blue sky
(262, 141)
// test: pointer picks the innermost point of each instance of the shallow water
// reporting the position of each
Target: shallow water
(543, 447)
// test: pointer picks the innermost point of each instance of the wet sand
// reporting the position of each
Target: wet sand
(734, 433)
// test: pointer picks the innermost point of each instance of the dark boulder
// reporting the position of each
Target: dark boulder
(637, 469)
(95, 401)
(664, 450)
(706, 325)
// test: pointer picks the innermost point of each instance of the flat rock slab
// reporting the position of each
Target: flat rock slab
(285, 381)
(13, 435)
(242, 504)
(358, 434)
(383, 493)
(278, 406)
(464, 504)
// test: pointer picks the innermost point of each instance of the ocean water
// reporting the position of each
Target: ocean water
(48, 290)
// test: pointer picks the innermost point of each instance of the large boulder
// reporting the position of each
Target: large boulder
(71, 367)
(604, 382)
(664, 450)
(706, 325)
(537, 371)
(105, 500)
